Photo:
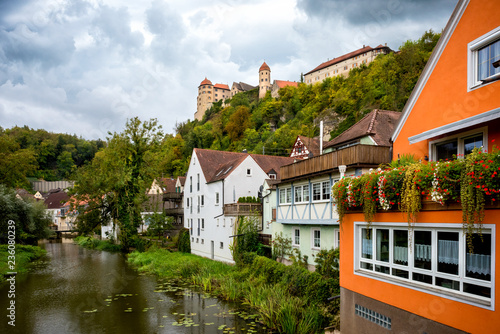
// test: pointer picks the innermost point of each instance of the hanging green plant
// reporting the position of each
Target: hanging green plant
(369, 199)
(410, 193)
(472, 196)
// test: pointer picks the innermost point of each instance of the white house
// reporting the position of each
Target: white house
(214, 182)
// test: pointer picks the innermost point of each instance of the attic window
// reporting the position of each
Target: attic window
(483, 55)
(228, 169)
(249, 172)
(272, 176)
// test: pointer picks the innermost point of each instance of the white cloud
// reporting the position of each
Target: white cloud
(83, 67)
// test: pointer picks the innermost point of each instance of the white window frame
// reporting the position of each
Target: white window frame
(249, 172)
(328, 187)
(472, 57)
(460, 138)
(488, 303)
(313, 237)
(217, 198)
(294, 237)
(202, 200)
(285, 195)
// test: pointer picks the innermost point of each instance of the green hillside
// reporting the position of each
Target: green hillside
(270, 125)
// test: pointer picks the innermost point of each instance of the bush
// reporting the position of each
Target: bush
(184, 242)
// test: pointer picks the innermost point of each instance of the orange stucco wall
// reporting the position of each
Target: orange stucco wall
(445, 99)
(456, 314)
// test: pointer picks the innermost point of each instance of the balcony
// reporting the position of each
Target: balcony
(172, 196)
(174, 211)
(354, 156)
(243, 209)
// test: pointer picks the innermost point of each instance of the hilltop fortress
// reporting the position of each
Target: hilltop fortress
(209, 93)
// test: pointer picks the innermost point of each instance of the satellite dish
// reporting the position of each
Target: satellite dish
(261, 189)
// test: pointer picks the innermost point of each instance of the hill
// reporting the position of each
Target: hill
(270, 125)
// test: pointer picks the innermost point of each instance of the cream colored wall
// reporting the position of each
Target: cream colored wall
(341, 68)
(264, 82)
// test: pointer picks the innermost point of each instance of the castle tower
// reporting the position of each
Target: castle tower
(205, 98)
(264, 80)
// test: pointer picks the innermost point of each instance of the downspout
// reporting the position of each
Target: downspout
(321, 138)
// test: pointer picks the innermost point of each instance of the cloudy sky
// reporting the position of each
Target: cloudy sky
(84, 66)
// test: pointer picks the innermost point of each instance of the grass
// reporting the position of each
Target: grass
(287, 299)
(25, 254)
(104, 245)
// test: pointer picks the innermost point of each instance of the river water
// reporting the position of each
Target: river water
(77, 290)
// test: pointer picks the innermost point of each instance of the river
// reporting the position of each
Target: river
(77, 290)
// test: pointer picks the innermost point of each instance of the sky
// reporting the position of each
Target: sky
(86, 66)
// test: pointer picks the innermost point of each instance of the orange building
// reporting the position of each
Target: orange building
(426, 280)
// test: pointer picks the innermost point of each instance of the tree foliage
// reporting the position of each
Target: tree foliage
(112, 188)
(30, 217)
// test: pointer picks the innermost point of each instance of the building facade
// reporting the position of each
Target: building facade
(209, 94)
(343, 64)
(427, 279)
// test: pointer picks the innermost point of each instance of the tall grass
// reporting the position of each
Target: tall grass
(104, 245)
(24, 254)
(287, 299)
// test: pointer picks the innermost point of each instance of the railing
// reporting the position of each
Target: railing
(172, 196)
(242, 209)
(174, 211)
(362, 155)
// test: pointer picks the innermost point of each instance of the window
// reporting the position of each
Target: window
(458, 145)
(198, 183)
(202, 200)
(285, 195)
(429, 258)
(482, 53)
(221, 245)
(326, 190)
(217, 222)
(249, 172)
(216, 198)
(187, 202)
(202, 223)
(316, 239)
(298, 194)
(296, 237)
(316, 187)
(190, 184)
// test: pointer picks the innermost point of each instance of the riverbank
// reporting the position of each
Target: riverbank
(92, 243)
(289, 299)
(24, 255)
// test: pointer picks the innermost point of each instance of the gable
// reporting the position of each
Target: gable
(442, 95)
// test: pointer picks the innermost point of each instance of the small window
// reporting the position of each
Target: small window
(482, 54)
(296, 237)
(217, 199)
(326, 190)
(202, 223)
(316, 239)
(316, 191)
(202, 200)
(249, 172)
(221, 245)
(198, 183)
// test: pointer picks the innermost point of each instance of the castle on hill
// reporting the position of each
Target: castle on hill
(209, 93)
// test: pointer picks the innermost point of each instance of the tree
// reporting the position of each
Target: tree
(15, 163)
(30, 218)
(113, 186)
(158, 222)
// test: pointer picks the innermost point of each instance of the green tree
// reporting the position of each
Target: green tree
(30, 218)
(16, 163)
(113, 186)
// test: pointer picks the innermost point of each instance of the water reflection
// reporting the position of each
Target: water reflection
(85, 291)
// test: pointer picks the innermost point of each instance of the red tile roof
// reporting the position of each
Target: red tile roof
(217, 165)
(222, 86)
(346, 56)
(182, 180)
(167, 185)
(206, 82)
(379, 124)
(56, 200)
(282, 83)
(264, 66)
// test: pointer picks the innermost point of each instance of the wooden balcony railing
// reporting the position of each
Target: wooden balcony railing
(358, 155)
(171, 196)
(243, 209)
(174, 211)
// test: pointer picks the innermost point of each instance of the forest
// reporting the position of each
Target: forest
(266, 126)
